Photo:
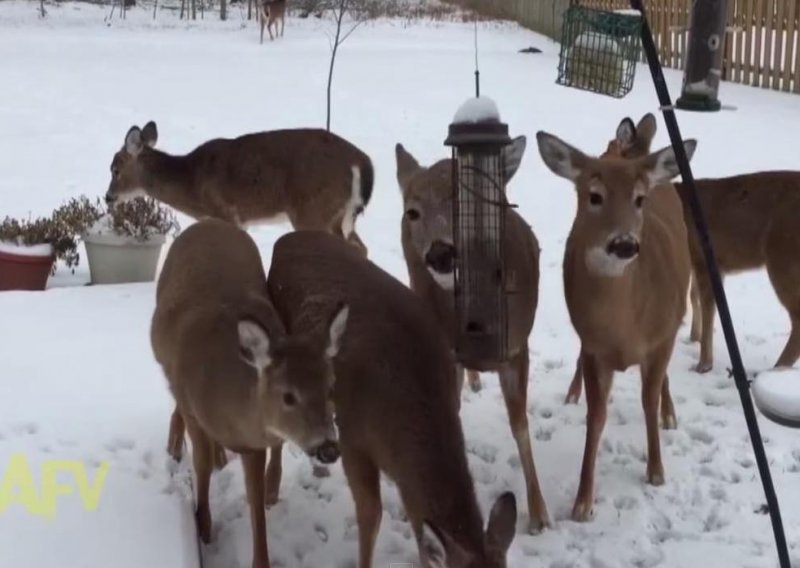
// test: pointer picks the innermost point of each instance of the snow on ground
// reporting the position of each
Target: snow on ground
(78, 380)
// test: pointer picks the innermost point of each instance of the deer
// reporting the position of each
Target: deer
(395, 402)
(429, 252)
(239, 379)
(270, 11)
(626, 271)
(313, 178)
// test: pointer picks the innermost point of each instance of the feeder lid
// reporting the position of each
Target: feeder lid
(477, 121)
(776, 393)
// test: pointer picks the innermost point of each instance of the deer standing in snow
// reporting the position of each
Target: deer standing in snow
(427, 239)
(626, 277)
(270, 12)
(396, 403)
(239, 379)
(313, 178)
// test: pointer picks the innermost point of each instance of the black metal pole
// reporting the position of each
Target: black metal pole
(742, 384)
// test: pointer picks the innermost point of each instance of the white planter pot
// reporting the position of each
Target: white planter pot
(114, 259)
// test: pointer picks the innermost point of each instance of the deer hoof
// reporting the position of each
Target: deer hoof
(703, 367)
(655, 476)
(536, 526)
(669, 422)
(572, 398)
(582, 512)
(203, 517)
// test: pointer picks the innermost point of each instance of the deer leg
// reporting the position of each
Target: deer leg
(697, 322)
(363, 477)
(708, 309)
(784, 280)
(201, 452)
(474, 380)
(283, 23)
(669, 421)
(514, 384)
(574, 392)
(269, 28)
(175, 437)
(253, 464)
(219, 457)
(654, 373)
(261, 19)
(272, 479)
(791, 353)
(597, 380)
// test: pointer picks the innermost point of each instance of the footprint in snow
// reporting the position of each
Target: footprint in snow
(23, 428)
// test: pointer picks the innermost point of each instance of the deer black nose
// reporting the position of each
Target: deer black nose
(327, 452)
(110, 199)
(623, 247)
(441, 257)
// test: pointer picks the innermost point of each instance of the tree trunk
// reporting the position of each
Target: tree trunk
(223, 9)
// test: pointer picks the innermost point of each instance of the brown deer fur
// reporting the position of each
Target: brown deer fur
(270, 12)
(427, 242)
(395, 399)
(314, 178)
(238, 379)
(626, 277)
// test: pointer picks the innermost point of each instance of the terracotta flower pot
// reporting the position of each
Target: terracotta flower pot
(24, 271)
(114, 259)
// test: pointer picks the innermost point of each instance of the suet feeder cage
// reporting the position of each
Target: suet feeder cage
(477, 138)
(599, 50)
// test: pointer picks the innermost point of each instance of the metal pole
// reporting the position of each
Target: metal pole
(739, 376)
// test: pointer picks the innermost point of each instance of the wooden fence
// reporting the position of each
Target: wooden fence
(761, 48)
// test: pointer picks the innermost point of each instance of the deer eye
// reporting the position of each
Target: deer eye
(596, 198)
(639, 201)
(289, 399)
(412, 214)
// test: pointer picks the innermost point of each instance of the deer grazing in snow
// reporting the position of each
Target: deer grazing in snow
(427, 238)
(240, 381)
(396, 402)
(626, 276)
(270, 12)
(314, 178)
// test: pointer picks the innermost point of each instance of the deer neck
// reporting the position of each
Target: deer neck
(170, 179)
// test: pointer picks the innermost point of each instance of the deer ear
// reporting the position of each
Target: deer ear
(562, 159)
(336, 329)
(254, 344)
(646, 129)
(150, 134)
(502, 522)
(407, 166)
(512, 156)
(660, 167)
(133, 141)
(626, 132)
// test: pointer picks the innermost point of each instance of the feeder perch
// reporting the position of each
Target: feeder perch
(477, 138)
(703, 70)
(599, 50)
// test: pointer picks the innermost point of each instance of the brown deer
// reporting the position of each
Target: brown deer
(270, 11)
(239, 380)
(396, 402)
(427, 238)
(626, 277)
(314, 178)
(752, 224)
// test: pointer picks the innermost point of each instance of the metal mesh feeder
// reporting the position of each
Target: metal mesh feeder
(477, 138)
(599, 50)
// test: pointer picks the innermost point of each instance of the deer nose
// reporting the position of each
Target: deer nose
(441, 257)
(623, 247)
(110, 199)
(327, 452)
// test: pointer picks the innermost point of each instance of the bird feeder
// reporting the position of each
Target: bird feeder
(703, 70)
(477, 138)
(599, 50)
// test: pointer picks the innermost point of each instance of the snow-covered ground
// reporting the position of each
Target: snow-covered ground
(78, 380)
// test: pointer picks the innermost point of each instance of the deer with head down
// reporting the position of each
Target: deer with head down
(396, 403)
(427, 238)
(752, 223)
(239, 379)
(626, 275)
(313, 178)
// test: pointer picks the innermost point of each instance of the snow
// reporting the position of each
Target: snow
(477, 109)
(777, 393)
(79, 381)
(44, 249)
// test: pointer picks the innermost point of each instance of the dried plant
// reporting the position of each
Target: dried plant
(142, 218)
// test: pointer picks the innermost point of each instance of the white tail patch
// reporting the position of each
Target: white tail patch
(354, 204)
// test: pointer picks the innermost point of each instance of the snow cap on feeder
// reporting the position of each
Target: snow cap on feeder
(478, 138)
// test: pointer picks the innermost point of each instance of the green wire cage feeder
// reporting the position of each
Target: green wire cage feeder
(599, 50)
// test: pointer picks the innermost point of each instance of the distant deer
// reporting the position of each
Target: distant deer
(396, 403)
(239, 380)
(626, 277)
(270, 11)
(427, 238)
(314, 178)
